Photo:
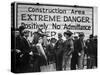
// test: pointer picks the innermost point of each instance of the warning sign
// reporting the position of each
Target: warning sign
(54, 19)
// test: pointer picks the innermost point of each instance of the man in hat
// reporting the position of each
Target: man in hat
(68, 48)
(51, 51)
(80, 47)
(59, 52)
(74, 59)
(22, 50)
(90, 52)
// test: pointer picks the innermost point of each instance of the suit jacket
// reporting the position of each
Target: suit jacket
(59, 47)
(78, 45)
(50, 49)
(68, 46)
(90, 47)
(22, 44)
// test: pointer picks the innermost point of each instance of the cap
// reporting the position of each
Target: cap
(21, 28)
(68, 33)
(81, 34)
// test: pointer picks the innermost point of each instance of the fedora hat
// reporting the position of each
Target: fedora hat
(68, 33)
(81, 34)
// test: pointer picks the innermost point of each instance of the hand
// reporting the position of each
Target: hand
(18, 51)
(88, 57)
(31, 53)
(79, 54)
(21, 55)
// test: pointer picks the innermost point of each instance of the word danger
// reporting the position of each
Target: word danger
(57, 18)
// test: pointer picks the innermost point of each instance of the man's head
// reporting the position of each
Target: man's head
(68, 34)
(91, 36)
(81, 36)
(59, 36)
(53, 40)
(25, 32)
(21, 29)
(75, 36)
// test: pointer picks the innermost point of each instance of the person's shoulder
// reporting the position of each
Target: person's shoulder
(70, 39)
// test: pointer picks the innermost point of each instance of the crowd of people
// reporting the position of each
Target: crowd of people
(29, 56)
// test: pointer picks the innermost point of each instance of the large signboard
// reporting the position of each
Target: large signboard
(54, 19)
